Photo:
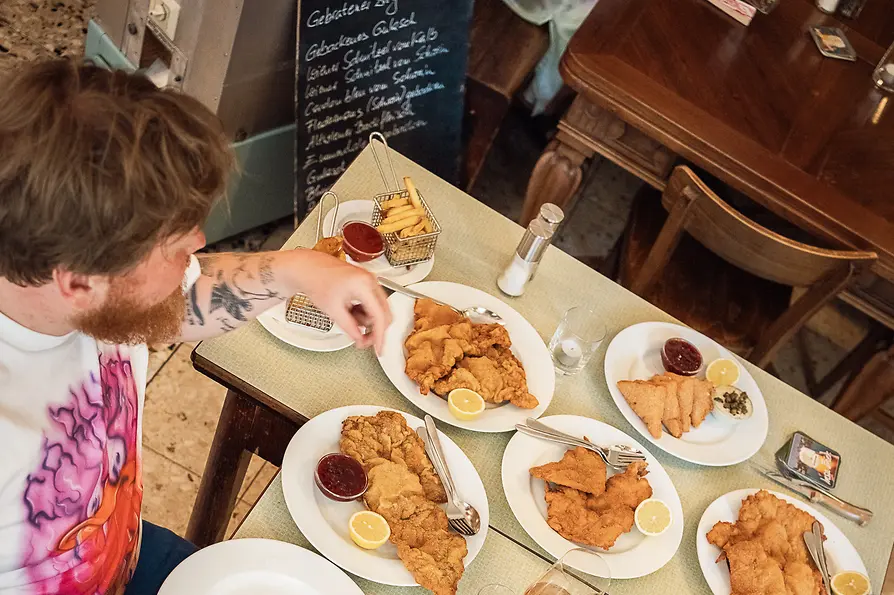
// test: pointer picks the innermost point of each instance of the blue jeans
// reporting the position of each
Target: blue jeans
(160, 552)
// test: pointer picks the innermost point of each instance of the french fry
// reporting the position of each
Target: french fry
(394, 202)
(428, 227)
(412, 213)
(413, 231)
(400, 224)
(414, 194)
(398, 210)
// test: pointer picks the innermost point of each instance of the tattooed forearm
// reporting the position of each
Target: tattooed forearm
(233, 289)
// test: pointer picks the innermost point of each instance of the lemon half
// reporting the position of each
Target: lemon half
(465, 404)
(653, 517)
(850, 583)
(369, 530)
(722, 372)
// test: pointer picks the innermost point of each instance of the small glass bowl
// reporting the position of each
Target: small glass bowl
(347, 461)
(356, 253)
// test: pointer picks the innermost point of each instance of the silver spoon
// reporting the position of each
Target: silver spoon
(461, 516)
(479, 311)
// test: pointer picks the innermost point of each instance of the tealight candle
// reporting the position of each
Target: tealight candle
(569, 352)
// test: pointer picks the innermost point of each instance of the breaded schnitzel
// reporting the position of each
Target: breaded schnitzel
(405, 490)
(419, 528)
(596, 517)
(371, 440)
(447, 351)
(677, 402)
(497, 379)
(580, 469)
(765, 548)
(433, 352)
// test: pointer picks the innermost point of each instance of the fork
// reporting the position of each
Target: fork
(479, 311)
(617, 457)
(461, 516)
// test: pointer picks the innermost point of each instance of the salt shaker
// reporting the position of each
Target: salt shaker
(530, 250)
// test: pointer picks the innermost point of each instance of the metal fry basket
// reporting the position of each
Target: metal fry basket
(401, 251)
(299, 309)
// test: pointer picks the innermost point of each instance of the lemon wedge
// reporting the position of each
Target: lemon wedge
(850, 583)
(369, 530)
(653, 517)
(722, 372)
(465, 404)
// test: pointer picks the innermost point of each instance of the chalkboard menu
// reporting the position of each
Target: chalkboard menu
(392, 66)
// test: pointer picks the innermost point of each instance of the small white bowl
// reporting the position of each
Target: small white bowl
(722, 412)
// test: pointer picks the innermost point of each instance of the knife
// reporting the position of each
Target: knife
(861, 516)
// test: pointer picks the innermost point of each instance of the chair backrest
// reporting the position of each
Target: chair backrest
(746, 244)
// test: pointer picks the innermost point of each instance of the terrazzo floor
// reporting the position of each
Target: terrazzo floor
(182, 407)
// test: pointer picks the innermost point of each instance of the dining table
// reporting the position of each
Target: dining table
(808, 137)
(274, 388)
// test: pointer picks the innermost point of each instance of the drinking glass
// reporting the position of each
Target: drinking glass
(564, 578)
(496, 590)
(576, 339)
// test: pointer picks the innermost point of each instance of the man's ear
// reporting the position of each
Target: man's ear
(83, 292)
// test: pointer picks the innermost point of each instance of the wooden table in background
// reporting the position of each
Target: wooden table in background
(808, 137)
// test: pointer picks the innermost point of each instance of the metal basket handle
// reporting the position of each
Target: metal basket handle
(334, 215)
(381, 138)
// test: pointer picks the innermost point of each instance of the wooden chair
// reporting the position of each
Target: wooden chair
(869, 389)
(745, 306)
(503, 51)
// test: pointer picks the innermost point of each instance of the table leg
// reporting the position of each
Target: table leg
(224, 471)
(556, 177)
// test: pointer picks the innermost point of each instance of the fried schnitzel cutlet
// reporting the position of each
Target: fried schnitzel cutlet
(588, 509)
(498, 378)
(765, 548)
(579, 468)
(405, 490)
(447, 351)
(428, 314)
(385, 436)
(433, 352)
(677, 402)
(419, 528)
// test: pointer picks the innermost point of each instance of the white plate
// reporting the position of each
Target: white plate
(527, 346)
(839, 551)
(249, 566)
(325, 522)
(274, 320)
(362, 210)
(635, 354)
(633, 554)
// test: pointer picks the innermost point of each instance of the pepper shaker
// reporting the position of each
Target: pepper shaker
(530, 250)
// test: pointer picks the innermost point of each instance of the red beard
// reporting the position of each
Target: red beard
(124, 320)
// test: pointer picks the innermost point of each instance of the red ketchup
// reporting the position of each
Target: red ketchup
(681, 357)
(340, 478)
(363, 242)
